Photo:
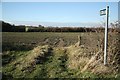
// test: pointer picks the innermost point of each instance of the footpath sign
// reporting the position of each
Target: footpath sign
(105, 12)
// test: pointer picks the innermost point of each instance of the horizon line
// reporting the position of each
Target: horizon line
(56, 24)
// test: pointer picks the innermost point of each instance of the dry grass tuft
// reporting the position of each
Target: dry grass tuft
(37, 55)
(82, 59)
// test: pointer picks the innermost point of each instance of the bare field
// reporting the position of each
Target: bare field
(32, 39)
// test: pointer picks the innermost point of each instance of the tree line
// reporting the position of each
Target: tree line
(7, 27)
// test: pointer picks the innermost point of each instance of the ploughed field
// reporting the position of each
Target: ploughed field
(59, 55)
(28, 40)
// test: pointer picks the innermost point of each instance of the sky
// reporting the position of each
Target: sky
(57, 13)
(119, 11)
(59, 0)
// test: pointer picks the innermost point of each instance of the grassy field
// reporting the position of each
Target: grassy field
(57, 55)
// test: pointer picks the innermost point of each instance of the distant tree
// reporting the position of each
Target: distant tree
(115, 26)
(6, 27)
(41, 26)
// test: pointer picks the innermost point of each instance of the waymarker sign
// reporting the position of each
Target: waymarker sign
(105, 12)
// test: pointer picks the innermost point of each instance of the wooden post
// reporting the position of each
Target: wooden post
(79, 40)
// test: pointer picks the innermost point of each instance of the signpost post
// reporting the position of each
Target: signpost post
(105, 12)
